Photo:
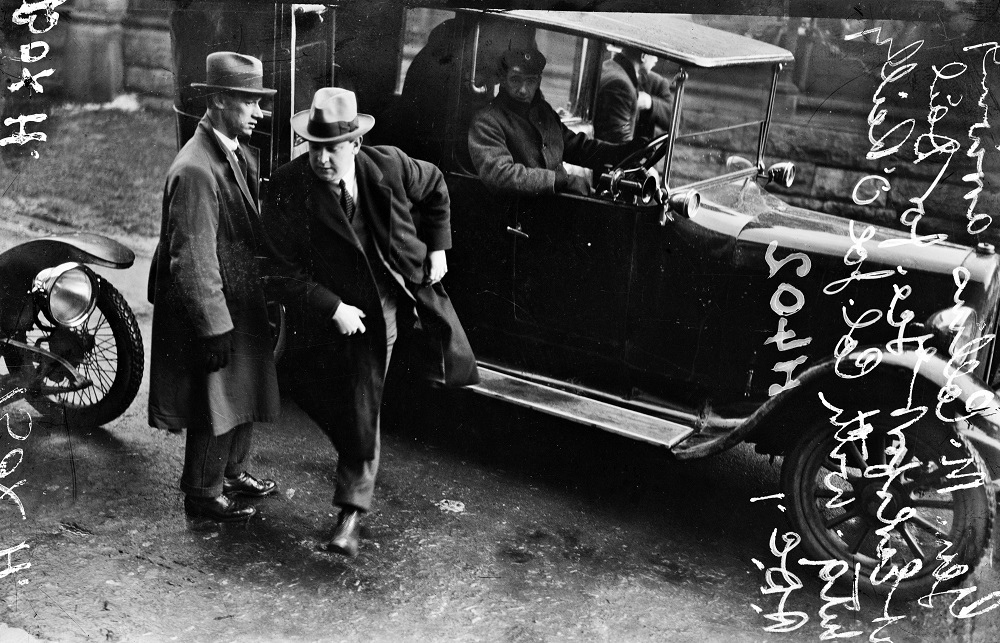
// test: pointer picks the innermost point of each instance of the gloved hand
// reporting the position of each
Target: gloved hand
(571, 183)
(216, 351)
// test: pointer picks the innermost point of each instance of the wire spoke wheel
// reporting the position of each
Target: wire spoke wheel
(887, 497)
(107, 350)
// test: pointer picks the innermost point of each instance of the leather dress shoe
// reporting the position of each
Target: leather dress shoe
(247, 485)
(345, 537)
(219, 509)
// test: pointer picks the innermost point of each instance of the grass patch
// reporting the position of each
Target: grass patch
(99, 171)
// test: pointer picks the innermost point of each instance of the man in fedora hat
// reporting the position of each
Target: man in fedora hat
(518, 143)
(357, 238)
(212, 370)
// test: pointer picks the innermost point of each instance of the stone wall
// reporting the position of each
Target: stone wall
(826, 99)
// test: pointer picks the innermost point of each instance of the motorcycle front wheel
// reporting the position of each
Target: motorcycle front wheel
(107, 349)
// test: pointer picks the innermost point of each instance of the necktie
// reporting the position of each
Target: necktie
(346, 200)
(242, 160)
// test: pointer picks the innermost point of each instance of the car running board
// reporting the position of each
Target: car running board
(577, 408)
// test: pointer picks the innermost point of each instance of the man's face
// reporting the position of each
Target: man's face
(331, 161)
(649, 61)
(238, 114)
(520, 85)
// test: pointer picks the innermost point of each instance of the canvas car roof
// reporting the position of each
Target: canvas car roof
(664, 35)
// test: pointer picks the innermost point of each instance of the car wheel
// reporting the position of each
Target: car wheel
(847, 504)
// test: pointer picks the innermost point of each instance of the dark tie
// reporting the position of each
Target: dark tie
(242, 160)
(346, 200)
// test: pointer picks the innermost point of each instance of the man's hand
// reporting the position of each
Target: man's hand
(571, 183)
(436, 266)
(348, 319)
(644, 101)
(216, 351)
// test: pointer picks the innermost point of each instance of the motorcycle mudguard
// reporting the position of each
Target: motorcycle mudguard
(81, 247)
(20, 264)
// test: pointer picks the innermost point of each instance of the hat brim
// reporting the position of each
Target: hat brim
(236, 90)
(300, 124)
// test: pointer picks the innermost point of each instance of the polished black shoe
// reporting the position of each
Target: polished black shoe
(219, 509)
(345, 536)
(247, 485)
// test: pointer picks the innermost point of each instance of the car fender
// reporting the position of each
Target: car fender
(981, 404)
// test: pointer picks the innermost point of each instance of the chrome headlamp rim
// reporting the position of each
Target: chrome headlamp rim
(954, 327)
(66, 294)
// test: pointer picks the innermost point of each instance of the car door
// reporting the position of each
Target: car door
(572, 268)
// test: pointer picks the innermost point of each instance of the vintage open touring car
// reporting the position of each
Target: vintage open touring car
(680, 303)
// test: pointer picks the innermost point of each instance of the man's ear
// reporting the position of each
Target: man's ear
(216, 101)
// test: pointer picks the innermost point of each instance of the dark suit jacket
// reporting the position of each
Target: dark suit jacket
(204, 281)
(317, 263)
(656, 119)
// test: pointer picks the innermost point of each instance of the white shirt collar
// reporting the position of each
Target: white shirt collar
(227, 142)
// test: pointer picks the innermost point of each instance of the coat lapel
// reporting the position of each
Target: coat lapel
(373, 189)
(324, 208)
(234, 166)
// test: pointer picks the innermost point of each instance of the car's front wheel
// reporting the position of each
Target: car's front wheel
(885, 500)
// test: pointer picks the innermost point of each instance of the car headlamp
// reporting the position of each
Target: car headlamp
(65, 293)
(954, 327)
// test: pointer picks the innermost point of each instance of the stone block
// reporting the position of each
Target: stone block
(946, 201)
(93, 67)
(839, 183)
(157, 82)
(148, 48)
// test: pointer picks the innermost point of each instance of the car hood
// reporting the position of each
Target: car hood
(754, 218)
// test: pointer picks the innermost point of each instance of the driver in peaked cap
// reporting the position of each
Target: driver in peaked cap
(518, 143)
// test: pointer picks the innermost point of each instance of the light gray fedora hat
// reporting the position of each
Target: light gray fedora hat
(332, 118)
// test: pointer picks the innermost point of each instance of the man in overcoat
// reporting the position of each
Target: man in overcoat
(626, 106)
(212, 370)
(357, 238)
(518, 143)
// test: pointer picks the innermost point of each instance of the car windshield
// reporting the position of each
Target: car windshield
(721, 116)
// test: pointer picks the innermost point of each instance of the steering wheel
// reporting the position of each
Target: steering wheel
(647, 157)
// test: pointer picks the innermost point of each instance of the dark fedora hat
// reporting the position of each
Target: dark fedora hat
(333, 117)
(230, 71)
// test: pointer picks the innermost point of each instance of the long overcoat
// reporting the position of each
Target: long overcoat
(205, 281)
(317, 263)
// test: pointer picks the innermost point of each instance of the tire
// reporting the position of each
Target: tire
(113, 362)
(844, 528)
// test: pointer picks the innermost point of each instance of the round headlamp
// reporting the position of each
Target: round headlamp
(65, 293)
(954, 327)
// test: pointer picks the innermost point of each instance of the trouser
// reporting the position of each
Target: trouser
(356, 478)
(209, 457)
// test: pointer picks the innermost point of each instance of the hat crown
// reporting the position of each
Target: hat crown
(530, 61)
(235, 72)
(332, 117)
(333, 105)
